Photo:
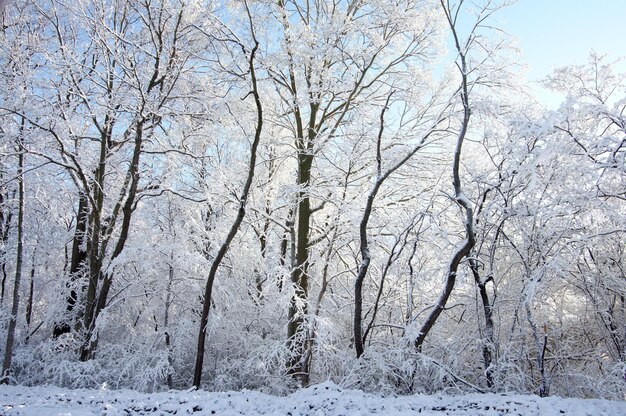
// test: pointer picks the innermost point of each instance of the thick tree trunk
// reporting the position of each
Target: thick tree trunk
(130, 189)
(297, 332)
(298, 307)
(77, 264)
(95, 229)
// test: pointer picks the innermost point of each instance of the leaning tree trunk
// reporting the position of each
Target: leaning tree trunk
(99, 302)
(464, 249)
(204, 317)
(359, 337)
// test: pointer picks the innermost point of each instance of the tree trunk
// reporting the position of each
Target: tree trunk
(541, 347)
(166, 319)
(8, 351)
(99, 302)
(298, 308)
(488, 342)
(364, 244)
(5, 227)
(95, 228)
(204, 317)
(77, 263)
(464, 249)
(359, 338)
(363, 266)
(31, 292)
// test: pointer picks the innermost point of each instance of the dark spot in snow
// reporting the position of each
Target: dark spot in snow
(197, 409)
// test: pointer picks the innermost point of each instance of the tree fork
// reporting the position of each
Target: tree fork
(464, 249)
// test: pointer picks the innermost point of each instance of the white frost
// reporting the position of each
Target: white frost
(322, 399)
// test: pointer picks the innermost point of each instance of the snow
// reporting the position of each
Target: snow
(322, 399)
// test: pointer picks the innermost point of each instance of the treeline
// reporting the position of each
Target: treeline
(265, 195)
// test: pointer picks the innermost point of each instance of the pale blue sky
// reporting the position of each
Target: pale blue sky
(553, 33)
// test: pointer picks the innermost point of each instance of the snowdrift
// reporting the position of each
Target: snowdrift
(322, 399)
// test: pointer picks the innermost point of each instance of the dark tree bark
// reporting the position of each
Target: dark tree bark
(6, 215)
(31, 293)
(8, 350)
(401, 242)
(77, 265)
(317, 111)
(166, 320)
(363, 238)
(147, 117)
(488, 343)
(364, 243)
(94, 250)
(206, 302)
(296, 333)
(465, 247)
(97, 304)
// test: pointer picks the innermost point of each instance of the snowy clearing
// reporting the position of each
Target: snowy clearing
(322, 399)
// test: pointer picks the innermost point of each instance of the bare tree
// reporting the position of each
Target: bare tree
(8, 351)
(320, 87)
(243, 198)
(463, 48)
(381, 176)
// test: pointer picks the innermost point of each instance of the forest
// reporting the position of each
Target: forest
(265, 195)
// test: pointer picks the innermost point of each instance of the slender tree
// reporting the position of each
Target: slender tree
(380, 178)
(241, 211)
(10, 341)
(463, 250)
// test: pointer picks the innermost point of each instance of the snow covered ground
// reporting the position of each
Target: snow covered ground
(322, 399)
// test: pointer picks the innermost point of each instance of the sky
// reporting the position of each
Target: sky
(553, 33)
